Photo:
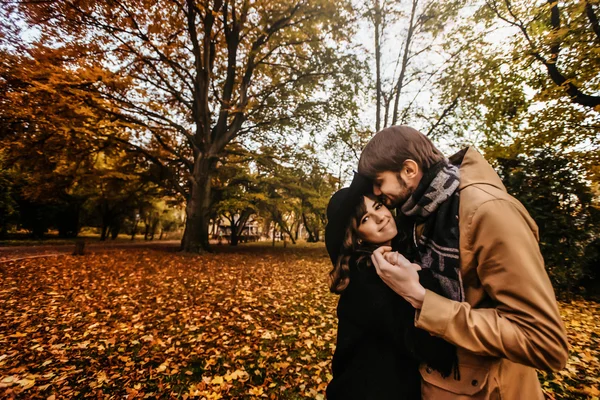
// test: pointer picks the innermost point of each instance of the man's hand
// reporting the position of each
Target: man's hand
(399, 274)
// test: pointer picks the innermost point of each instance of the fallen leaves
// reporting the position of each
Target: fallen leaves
(151, 324)
(248, 323)
(581, 378)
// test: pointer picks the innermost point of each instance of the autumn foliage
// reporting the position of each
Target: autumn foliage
(252, 322)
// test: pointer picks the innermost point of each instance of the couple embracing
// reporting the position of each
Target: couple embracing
(449, 299)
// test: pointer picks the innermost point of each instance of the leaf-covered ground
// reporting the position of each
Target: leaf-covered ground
(253, 322)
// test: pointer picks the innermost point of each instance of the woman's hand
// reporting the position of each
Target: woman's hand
(399, 274)
(395, 258)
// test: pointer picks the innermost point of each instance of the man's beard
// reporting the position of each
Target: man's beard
(409, 192)
(404, 195)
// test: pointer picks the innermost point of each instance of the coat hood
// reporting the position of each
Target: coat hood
(474, 169)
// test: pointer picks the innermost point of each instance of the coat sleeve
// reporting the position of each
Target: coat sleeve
(525, 325)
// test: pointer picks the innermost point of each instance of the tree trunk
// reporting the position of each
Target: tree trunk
(153, 230)
(286, 231)
(68, 221)
(311, 238)
(237, 228)
(378, 28)
(195, 237)
(134, 229)
(103, 231)
(213, 230)
(114, 231)
(405, 58)
(234, 235)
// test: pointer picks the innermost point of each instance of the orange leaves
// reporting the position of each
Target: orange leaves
(246, 323)
(579, 380)
(139, 323)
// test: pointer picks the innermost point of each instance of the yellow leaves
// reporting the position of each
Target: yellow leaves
(281, 365)
(161, 368)
(592, 391)
(221, 331)
(7, 381)
(238, 374)
(256, 391)
(268, 335)
(580, 377)
(101, 377)
(20, 383)
(26, 383)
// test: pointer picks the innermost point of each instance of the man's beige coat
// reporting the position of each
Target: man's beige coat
(509, 323)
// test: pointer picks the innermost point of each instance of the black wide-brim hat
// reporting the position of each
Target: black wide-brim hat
(339, 210)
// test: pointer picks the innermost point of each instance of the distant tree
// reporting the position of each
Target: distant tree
(553, 189)
(526, 70)
(313, 185)
(237, 191)
(48, 135)
(172, 218)
(8, 203)
(193, 76)
(405, 37)
(119, 188)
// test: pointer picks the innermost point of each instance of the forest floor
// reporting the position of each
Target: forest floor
(240, 323)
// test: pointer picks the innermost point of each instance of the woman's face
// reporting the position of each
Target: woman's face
(377, 226)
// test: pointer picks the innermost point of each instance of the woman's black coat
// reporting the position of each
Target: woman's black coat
(371, 360)
(378, 347)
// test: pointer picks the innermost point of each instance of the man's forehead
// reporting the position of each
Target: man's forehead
(383, 174)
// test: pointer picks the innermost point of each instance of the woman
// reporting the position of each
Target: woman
(378, 348)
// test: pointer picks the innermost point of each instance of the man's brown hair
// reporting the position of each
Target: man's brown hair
(390, 147)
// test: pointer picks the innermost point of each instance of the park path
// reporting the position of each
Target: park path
(14, 253)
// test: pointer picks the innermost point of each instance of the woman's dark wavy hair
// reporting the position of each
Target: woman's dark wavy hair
(339, 276)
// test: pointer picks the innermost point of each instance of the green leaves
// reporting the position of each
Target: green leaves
(552, 188)
(530, 70)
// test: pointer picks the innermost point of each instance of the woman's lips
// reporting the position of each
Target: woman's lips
(384, 225)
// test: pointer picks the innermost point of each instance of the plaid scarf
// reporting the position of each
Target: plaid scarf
(435, 203)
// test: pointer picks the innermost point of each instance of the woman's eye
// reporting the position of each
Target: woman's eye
(364, 220)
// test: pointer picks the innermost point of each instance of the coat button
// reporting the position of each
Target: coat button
(429, 370)
(474, 382)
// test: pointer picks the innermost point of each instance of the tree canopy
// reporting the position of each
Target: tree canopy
(251, 110)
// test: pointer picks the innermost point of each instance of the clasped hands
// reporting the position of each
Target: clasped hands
(399, 274)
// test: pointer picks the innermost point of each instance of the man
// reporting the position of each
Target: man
(498, 307)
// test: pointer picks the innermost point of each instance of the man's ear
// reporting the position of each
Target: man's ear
(410, 169)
